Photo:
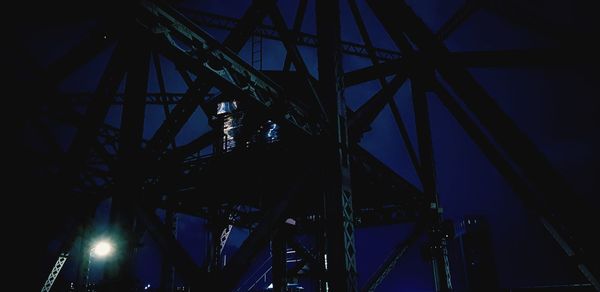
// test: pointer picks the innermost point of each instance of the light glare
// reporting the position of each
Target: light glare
(102, 248)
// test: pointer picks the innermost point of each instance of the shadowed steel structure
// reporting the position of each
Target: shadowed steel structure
(286, 163)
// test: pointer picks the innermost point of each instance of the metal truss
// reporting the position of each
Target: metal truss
(324, 188)
(60, 262)
(211, 20)
(201, 54)
(83, 98)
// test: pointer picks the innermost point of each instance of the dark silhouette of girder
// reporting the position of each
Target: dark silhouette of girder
(317, 180)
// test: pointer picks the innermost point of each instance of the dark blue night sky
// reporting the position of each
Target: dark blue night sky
(555, 106)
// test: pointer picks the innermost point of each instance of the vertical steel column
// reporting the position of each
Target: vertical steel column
(168, 271)
(84, 234)
(339, 226)
(129, 174)
(212, 260)
(321, 284)
(279, 264)
(438, 244)
(83, 273)
(218, 232)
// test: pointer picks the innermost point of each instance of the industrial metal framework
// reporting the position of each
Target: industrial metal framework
(321, 184)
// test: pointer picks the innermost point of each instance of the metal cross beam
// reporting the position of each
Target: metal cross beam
(95, 114)
(566, 216)
(170, 98)
(300, 12)
(81, 53)
(206, 57)
(196, 93)
(475, 59)
(270, 223)
(170, 247)
(392, 103)
(391, 261)
(294, 55)
(458, 18)
(303, 39)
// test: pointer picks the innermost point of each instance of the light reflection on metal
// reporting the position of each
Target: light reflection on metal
(238, 131)
(233, 123)
(226, 107)
(270, 132)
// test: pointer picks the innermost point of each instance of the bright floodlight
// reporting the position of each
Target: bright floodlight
(102, 249)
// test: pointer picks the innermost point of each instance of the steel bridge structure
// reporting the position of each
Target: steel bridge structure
(286, 163)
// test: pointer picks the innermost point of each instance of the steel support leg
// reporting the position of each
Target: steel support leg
(438, 244)
(129, 177)
(168, 271)
(279, 264)
(339, 226)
